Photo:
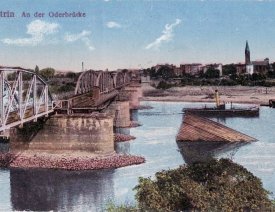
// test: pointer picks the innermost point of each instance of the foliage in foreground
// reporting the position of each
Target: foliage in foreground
(111, 207)
(216, 185)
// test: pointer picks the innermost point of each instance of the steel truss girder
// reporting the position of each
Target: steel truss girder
(105, 80)
(22, 100)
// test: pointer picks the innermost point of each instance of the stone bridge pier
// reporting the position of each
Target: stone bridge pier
(84, 132)
(120, 111)
(61, 133)
(135, 93)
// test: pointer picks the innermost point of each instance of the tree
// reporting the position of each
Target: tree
(215, 185)
(165, 72)
(47, 73)
(66, 88)
(36, 69)
(256, 76)
(211, 72)
(163, 85)
(71, 74)
(11, 76)
(229, 69)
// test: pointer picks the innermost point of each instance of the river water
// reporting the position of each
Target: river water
(38, 189)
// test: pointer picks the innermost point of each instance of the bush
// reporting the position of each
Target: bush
(71, 74)
(163, 85)
(228, 82)
(216, 185)
(212, 73)
(66, 87)
(111, 207)
(47, 73)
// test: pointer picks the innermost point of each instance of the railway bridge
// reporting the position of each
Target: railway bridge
(34, 120)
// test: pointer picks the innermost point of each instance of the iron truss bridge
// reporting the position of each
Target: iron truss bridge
(24, 97)
(95, 90)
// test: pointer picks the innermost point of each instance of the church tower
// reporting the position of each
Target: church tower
(247, 54)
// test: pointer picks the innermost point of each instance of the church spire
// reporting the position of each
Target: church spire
(247, 47)
(247, 54)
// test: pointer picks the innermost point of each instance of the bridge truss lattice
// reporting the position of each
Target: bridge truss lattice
(24, 96)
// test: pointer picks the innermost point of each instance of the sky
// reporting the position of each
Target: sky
(118, 34)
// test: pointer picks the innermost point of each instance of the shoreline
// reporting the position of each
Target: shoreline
(227, 94)
(171, 99)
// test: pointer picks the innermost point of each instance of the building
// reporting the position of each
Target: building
(193, 69)
(240, 68)
(258, 66)
(247, 54)
(178, 72)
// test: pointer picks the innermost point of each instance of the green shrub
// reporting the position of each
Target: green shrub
(216, 185)
(111, 207)
(66, 87)
(163, 85)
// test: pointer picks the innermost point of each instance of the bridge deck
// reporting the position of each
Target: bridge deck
(87, 102)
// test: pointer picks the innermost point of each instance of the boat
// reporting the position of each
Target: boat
(232, 112)
(222, 111)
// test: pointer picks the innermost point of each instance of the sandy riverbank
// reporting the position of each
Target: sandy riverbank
(67, 160)
(235, 94)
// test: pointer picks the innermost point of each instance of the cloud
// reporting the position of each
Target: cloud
(167, 35)
(83, 36)
(75, 37)
(38, 30)
(113, 24)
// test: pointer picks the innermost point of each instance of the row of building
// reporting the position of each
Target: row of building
(195, 69)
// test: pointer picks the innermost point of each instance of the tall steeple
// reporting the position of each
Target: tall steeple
(247, 54)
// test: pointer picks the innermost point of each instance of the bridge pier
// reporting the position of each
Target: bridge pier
(135, 93)
(120, 111)
(60, 133)
(122, 114)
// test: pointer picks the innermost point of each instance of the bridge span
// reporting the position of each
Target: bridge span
(94, 91)
(25, 96)
(82, 123)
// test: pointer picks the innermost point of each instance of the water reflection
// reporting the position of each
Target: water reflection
(44, 190)
(201, 151)
(4, 147)
(134, 115)
(123, 147)
(125, 131)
